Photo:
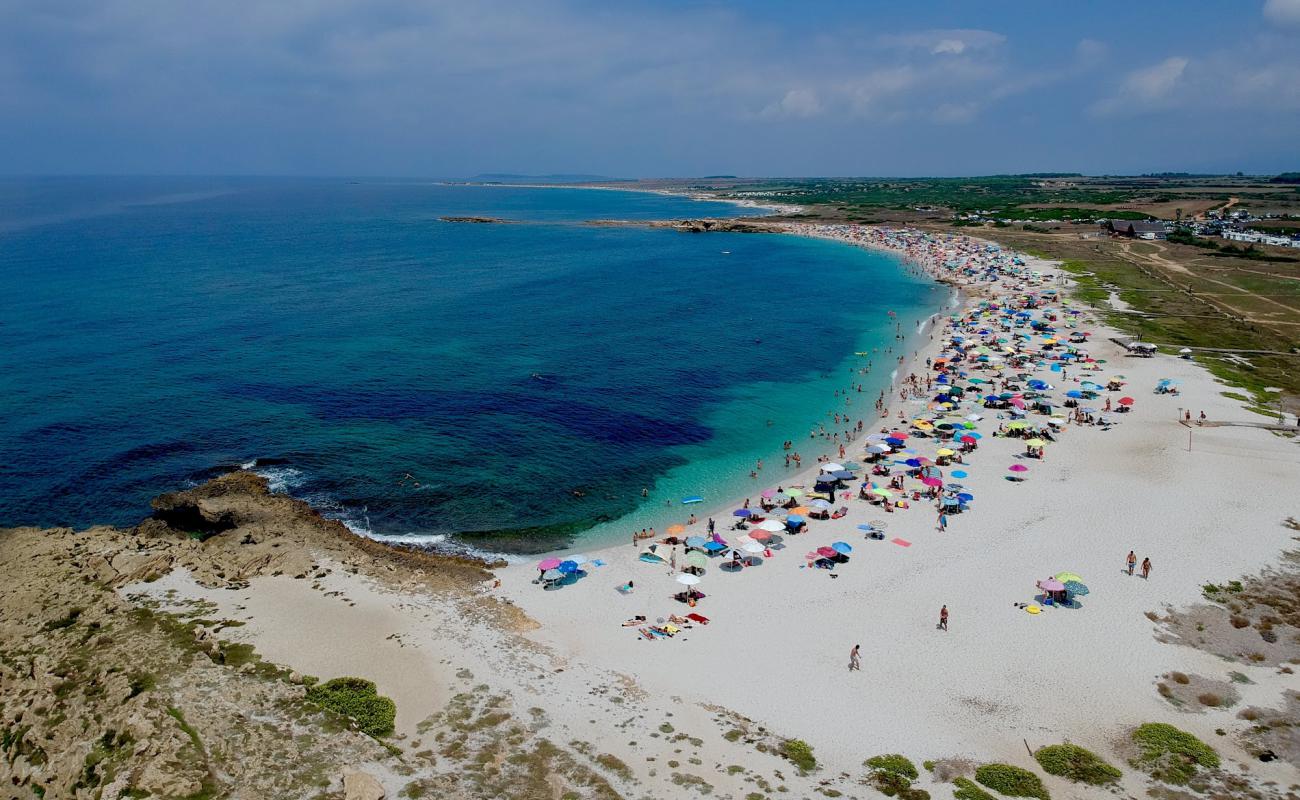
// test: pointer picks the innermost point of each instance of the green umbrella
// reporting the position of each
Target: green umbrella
(696, 559)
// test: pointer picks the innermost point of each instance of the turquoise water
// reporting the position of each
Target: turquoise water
(532, 378)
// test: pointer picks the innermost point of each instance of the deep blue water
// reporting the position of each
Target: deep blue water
(157, 331)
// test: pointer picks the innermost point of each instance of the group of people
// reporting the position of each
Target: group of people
(1131, 563)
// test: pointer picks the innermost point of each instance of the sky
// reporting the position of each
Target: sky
(647, 88)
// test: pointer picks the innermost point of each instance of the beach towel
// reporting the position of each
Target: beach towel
(700, 619)
(598, 563)
(901, 542)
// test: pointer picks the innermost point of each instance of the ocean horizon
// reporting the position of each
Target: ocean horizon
(507, 387)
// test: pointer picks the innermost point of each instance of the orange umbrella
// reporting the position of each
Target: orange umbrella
(799, 510)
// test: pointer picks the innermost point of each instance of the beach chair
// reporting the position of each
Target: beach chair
(843, 510)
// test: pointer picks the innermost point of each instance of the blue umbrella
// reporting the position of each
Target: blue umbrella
(567, 567)
(950, 501)
(894, 442)
(841, 547)
(1074, 587)
(1075, 393)
(843, 475)
(957, 473)
(695, 541)
(913, 462)
(741, 512)
(973, 435)
(965, 497)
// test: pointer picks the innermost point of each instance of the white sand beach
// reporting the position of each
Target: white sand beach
(1205, 504)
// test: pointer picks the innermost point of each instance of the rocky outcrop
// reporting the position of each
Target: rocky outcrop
(719, 226)
(475, 220)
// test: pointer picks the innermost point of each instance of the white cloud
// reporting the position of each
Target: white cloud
(1283, 12)
(801, 103)
(950, 42)
(1145, 89)
(955, 113)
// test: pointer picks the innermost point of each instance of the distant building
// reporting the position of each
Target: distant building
(1138, 229)
(1254, 237)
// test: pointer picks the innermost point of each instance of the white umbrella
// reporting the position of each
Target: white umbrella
(832, 467)
(820, 504)
(771, 525)
(687, 579)
(753, 548)
(577, 558)
(877, 448)
(744, 539)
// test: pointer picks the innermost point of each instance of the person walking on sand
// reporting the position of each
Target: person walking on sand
(943, 521)
(672, 561)
(855, 661)
(943, 618)
(1132, 561)
(1146, 568)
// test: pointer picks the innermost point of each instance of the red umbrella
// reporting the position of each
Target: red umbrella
(1126, 401)
(1018, 468)
(968, 439)
(898, 435)
(826, 552)
(760, 535)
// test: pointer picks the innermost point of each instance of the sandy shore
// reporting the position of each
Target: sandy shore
(1204, 504)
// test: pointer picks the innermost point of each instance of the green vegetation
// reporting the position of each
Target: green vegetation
(800, 753)
(967, 790)
(358, 699)
(893, 763)
(65, 621)
(1172, 755)
(1011, 781)
(1185, 236)
(1076, 763)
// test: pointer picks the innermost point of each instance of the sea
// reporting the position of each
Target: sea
(515, 388)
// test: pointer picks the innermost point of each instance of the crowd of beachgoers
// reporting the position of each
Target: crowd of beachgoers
(1012, 363)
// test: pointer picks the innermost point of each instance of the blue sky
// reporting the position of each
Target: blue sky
(644, 88)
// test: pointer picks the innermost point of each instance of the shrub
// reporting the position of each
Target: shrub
(799, 752)
(967, 790)
(1170, 754)
(1179, 677)
(1011, 781)
(1210, 699)
(358, 699)
(895, 763)
(1076, 763)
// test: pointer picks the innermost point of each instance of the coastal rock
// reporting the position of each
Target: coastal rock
(718, 225)
(358, 785)
(475, 220)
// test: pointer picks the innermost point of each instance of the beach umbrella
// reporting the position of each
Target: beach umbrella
(695, 541)
(950, 501)
(760, 535)
(767, 493)
(771, 525)
(687, 579)
(832, 467)
(567, 567)
(819, 503)
(674, 529)
(1035, 442)
(752, 548)
(794, 518)
(697, 559)
(843, 475)
(794, 492)
(780, 498)
(826, 552)
(943, 451)
(957, 473)
(965, 497)
(1074, 587)
(797, 510)
(897, 435)
(1018, 468)
(852, 465)
(578, 558)
(1051, 585)
(548, 563)
(932, 481)
(877, 448)
(741, 512)
(1067, 577)
(842, 547)
(882, 492)
(552, 575)
(1126, 401)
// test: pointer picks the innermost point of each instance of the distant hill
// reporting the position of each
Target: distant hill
(507, 177)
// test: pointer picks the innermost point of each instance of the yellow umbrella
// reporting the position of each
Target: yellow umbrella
(946, 452)
(1035, 442)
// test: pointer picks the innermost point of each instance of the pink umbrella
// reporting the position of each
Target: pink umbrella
(1018, 468)
(1051, 585)
(760, 535)
(932, 481)
(768, 492)
(1017, 402)
(548, 563)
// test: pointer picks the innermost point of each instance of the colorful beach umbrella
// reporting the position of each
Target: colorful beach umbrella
(1018, 468)
(548, 563)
